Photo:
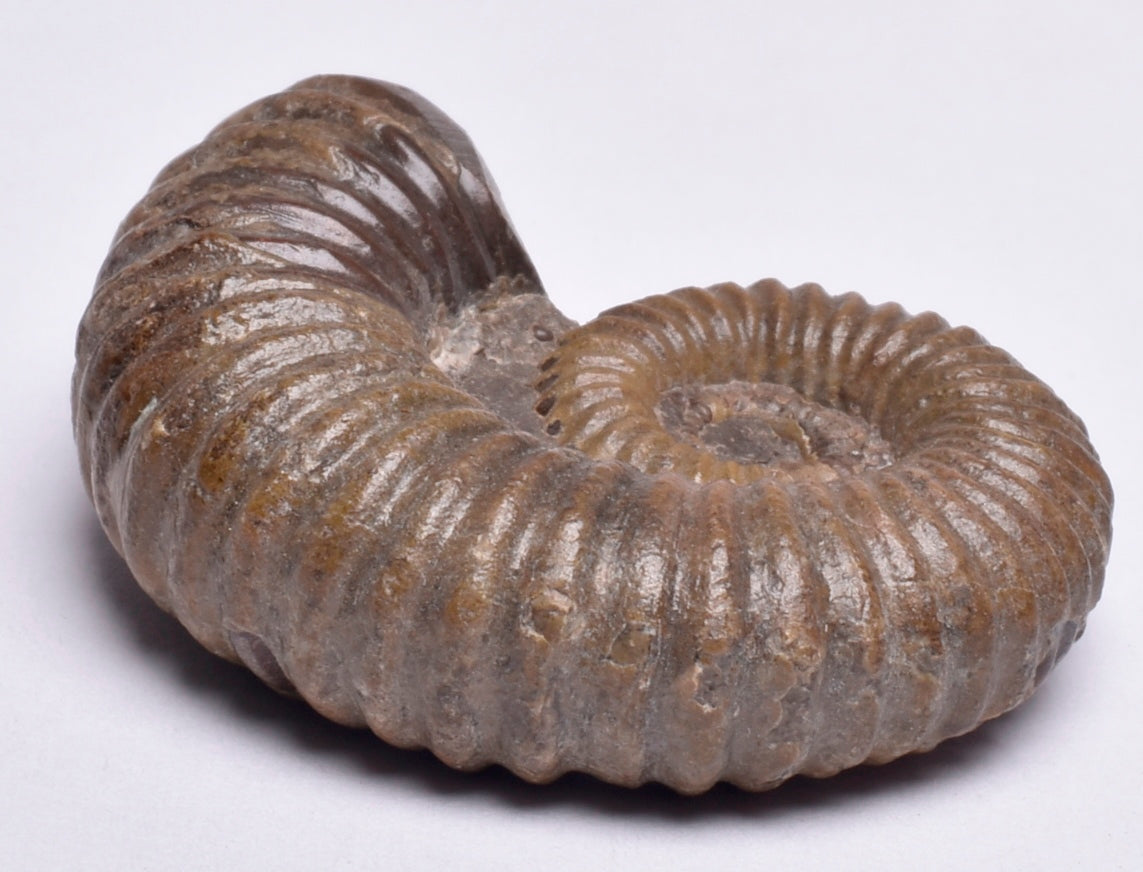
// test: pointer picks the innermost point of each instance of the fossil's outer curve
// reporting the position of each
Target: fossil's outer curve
(745, 532)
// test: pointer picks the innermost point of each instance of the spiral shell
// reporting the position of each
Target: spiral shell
(327, 415)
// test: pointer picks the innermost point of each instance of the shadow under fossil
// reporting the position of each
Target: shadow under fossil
(159, 638)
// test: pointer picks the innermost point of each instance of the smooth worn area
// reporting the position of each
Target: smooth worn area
(331, 421)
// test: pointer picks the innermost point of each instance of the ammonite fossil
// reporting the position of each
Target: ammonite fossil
(327, 414)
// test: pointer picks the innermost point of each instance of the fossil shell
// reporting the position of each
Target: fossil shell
(328, 416)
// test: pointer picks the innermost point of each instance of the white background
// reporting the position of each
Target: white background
(983, 159)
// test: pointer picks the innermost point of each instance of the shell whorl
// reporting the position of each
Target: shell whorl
(328, 416)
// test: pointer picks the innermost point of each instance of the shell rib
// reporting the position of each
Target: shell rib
(327, 415)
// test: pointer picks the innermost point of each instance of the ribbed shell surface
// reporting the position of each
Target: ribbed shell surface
(636, 584)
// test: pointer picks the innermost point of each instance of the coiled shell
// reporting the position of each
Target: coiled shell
(326, 413)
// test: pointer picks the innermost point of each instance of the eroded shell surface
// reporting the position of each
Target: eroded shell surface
(328, 416)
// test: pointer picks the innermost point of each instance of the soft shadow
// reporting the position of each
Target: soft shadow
(162, 641)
